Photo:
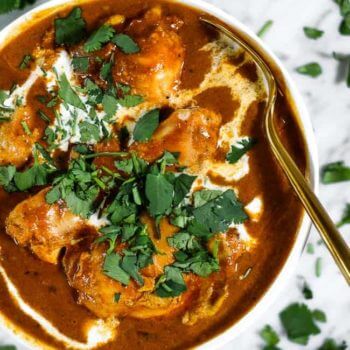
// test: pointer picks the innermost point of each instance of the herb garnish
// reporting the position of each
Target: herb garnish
(307, 291)
(237, 151)
(146, 125)
(25, 62)
(318, 267)
(80, 64)
(335, 172)
(70, 30)
(313, 33)
(11, 5)
(344, 7)
(126, 44)
(312, 69)
(100, 37)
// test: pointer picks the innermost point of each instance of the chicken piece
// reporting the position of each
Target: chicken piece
(44, 228)
(83, 265)
(155, 71)
(16, 143)
(192, 132)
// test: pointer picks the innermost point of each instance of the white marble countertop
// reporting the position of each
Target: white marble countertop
(328, 101)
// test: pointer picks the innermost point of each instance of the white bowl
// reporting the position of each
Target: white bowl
(301, 112)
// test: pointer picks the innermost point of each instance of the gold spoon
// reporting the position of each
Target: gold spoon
(328, 231)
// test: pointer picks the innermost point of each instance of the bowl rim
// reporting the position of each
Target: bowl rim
(305, 124)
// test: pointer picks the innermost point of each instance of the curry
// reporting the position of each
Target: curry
(141, 206)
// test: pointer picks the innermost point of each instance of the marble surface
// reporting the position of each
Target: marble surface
(327, 99)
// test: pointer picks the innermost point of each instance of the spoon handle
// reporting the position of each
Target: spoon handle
(328, 231)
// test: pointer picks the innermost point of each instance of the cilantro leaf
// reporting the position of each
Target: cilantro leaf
(171, 284)
(298, 322)
(307, 292)
(346, 216)
(126, 44)
(204, 196)
(330, 344)
(237, 151)
(129, 264)
(25, 62)
(100, 37)
(318, 267)
(269, 335)
(37, 175)
(312, 69)
(110, 105)
(265, 28)
(159, 192)
(89, 132)
(182, 186)
(112, 269)
(70, 30)
(6, 174)
(80, 64)
(146, 125)
(219, 213)
(7, 347)
(67, 94)
(335, 172)
(117, 297)
(319, 315)
(313, 33)
(130, 100)
(11, 5)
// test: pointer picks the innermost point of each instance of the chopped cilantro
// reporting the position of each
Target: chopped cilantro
(67, 94)
(112, 268)
(11, 5)
(70, 30)
(130, 100)
(100, 37)
(346, 216)
(25, 62)
(6, 175)
(310, 248)
(182, 186)
(313, 33)
(26, 127)
(312, 69)
(106, 71)
(89, 132)
(335, 172)
(237, 151)
(330, 344)
(171, 284)
(110, 105)
(318, 267)
(265, 28)
(298, 323)
(159, 192)
(126, 44)
(319, 315)
(204, 196)
(80, 64)
(7, 347)
(269, 335)
(219, 213)
(146, 125)
(307, 292)
(43, 116)
(117, 297)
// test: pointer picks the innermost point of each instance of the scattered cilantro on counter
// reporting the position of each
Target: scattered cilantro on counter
(237, 151)
(11, 5)
(344, 7)
(345, 217)
(335, 172)
(299, 323)
(265, 28)
(307, 292)
(313, 33)
(330, 344)
(312, 69)
(270, 337)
